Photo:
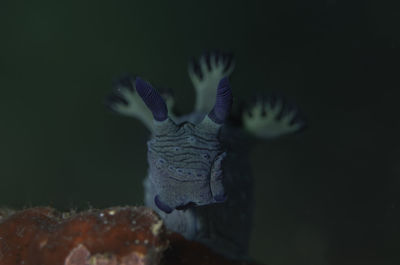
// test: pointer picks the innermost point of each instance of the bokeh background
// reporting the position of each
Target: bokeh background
(329, 195)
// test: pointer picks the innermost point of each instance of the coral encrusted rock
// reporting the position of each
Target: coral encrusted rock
(114, 236)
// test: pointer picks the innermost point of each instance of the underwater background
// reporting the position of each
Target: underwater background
(328, 195)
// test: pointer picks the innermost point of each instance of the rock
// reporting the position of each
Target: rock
(114, 236)
(184, 252)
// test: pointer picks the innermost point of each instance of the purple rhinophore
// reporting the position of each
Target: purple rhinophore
(199, 179)
(152, 99)
(223, 102)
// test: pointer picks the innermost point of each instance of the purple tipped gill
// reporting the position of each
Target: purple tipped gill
(152, 99)
(223, 102)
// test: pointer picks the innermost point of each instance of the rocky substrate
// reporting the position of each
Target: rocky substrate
(113, 236)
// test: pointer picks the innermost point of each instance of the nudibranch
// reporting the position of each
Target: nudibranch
(199, 178)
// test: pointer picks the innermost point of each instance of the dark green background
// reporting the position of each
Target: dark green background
(327, 196)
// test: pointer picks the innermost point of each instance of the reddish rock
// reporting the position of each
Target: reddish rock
(114, 236)
(18, 232)
(120, 236)
(184, 252)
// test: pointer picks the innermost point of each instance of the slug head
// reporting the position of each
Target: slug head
(185, 161)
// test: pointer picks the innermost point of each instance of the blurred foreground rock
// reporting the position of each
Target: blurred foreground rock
(114, 236)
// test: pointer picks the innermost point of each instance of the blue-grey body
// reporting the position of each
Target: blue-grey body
(224, 226)
(199, 178)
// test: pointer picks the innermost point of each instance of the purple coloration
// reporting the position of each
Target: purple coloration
(223, 102)
(193, 169)
(220, 198)
(162, 206)
(152, 99)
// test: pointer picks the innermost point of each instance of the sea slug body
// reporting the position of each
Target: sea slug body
(199, 178)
